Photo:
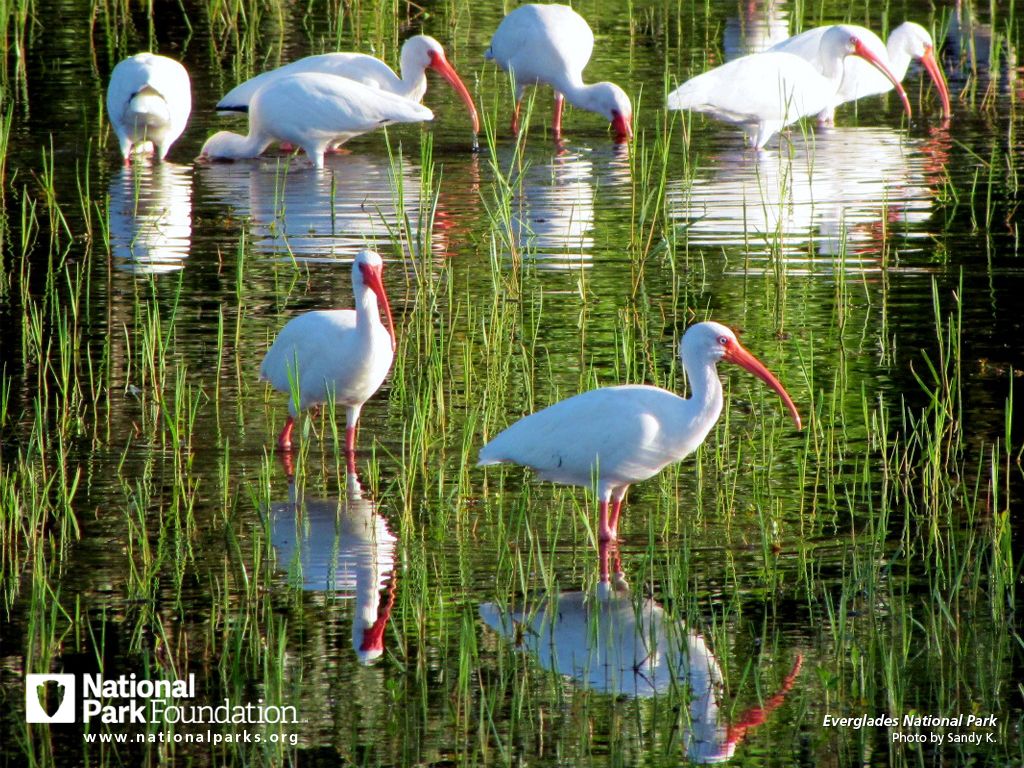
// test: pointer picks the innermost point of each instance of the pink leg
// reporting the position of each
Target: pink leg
(556, 126)
(608, 552)
(287, 464)
(350, 449)
(602, 552)
(613, 522)
(605, 532)
(284, 440)
(515, 119)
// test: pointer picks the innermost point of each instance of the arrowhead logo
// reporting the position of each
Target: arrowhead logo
(41, 693)
(50, 698)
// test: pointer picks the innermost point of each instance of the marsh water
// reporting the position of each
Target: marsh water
(436, 613)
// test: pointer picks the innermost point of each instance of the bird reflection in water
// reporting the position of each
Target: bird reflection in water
(611, 641)
(758, 25)
(970, 43)
(297, 213)
(343, 548)
(553, 212)
(150, 217)
(843, 194)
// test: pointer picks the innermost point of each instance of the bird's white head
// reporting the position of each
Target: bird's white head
(913, 38)
(708, 342)
(224, 145)
(610, 100)
(841, 41)
(422, 52)
(419, 51)
(367, 271)
(916, 42)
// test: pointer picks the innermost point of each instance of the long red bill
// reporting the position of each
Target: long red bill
(371, 646)
(931, 64)
(440, 63)
(623, 127)
(862, 50)
(371, 276)
(734, 353)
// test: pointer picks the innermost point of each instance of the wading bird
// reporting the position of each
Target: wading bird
(860, 79)
(149, 99)
(612, 437)
(419, 53)
(552, 44)
(315, 112)
(335, 354)
(766, 91)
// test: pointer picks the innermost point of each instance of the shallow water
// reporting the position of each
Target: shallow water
(451, 614)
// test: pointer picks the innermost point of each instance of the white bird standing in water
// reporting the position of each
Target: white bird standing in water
(313, 111)
(335, 354)
(616, 436)
(860, 79)
(764, 92)
(419, 53)
(552, 44)
(149, 99)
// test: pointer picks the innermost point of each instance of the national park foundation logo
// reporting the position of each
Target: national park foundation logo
(126, 700)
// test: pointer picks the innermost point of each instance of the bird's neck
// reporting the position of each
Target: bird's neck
(705, 397)
(414, 80)
(899, 59)
(237, 147)
(833, 69)
(578, 93)
(367, 311)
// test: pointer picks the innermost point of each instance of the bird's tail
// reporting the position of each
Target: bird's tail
(149, 108)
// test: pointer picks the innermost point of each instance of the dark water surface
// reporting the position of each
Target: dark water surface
(868, 565)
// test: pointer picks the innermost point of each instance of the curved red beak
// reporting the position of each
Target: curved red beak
(623, 125)
(931, 64)
(372, 643)
(440, 63)
(372, 278)
(861, 50)
(735, 353)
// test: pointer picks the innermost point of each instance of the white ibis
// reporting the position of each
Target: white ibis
(419, 53)
(313, 111)
(616, 436)
(335, 354)
(552, 44)
(149, 99)
(766, 91)
(860, 79)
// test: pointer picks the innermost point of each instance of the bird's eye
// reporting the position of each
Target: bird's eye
(723, 340)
